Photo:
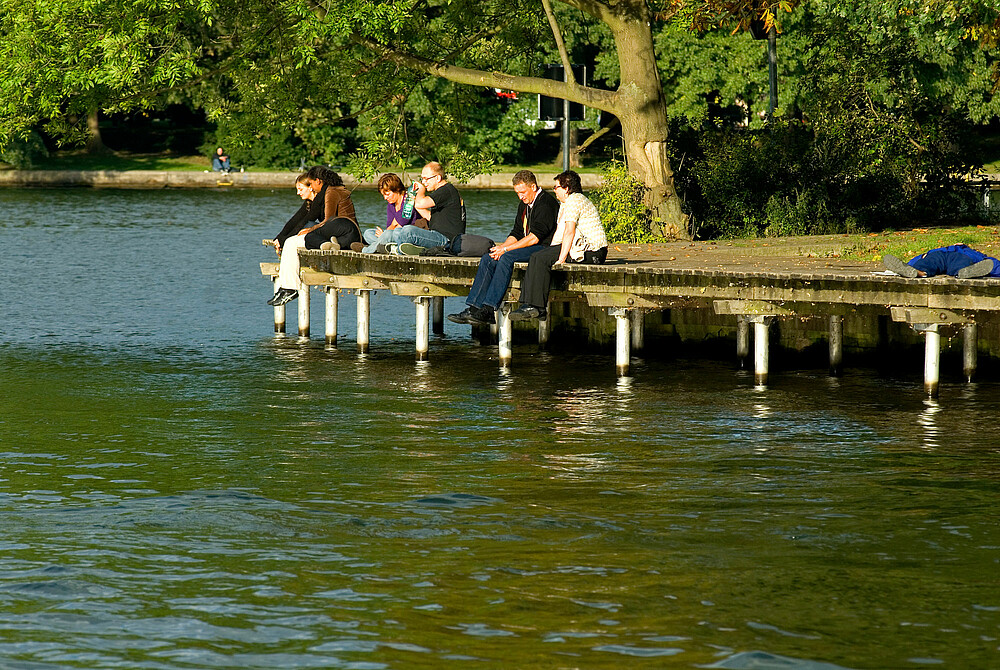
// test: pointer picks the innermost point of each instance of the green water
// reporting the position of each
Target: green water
(181, 489)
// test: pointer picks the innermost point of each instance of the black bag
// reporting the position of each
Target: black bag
(462, 245)
(471, 245)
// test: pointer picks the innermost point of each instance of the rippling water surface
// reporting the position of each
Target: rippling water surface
(179, 488)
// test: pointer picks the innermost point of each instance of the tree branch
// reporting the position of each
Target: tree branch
(560, 45)
(599, 134)
(591, 97)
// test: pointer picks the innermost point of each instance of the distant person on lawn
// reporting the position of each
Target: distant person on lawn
(957, 260)
(220, 161)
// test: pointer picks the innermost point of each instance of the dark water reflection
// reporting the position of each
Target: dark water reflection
(179, 488)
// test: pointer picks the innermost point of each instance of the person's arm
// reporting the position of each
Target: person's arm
(571, 215)
(569, 233)
(422, 201)
(300, 215)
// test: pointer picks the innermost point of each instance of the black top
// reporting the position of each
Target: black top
(542, 217)
(448, 212)
(310, 210)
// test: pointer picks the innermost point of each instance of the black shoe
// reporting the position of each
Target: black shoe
(527, 313)
(288, 295)
(979, 269)
(381, 249)
(274, 298)
(899, 267)
(462, 317)
(482, 316)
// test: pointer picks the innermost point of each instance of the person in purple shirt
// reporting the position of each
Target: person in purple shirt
(957, 260)
(396, 214)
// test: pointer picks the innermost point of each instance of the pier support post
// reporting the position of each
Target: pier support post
(970, 350)
(742, 340)
(364, 303)
(638, 329)
(544, 328)
(437, 306)
(932, 357)
(303, 301)
(836, 344)
(929, 321)
(506, 334)
(279, 312)
(423, 335)
(761, 326)
(332, 305)
(622, 340)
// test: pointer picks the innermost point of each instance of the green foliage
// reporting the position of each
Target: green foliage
(23, 153)
(854, 173)
(621, 202)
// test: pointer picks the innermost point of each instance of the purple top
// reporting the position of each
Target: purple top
(392, 216)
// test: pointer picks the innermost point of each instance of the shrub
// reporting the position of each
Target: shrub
(21, 153)
(620, 202)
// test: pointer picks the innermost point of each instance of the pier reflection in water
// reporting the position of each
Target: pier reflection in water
(179, 488)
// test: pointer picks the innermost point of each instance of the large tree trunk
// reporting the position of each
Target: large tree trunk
(643, 115)
(95, 144)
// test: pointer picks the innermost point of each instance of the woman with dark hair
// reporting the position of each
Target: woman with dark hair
(330, 214)
(339, 227)
(579, 238)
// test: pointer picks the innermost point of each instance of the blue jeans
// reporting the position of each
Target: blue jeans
(949, 260)
(493, 277)
(412, 234)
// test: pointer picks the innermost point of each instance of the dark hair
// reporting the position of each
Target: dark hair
(524, 177)
(325, 175)
(570, 181)
(392, 182)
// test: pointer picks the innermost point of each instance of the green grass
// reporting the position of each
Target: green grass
(78, 160)
(908, 243)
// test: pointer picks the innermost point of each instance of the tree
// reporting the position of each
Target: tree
(261, 62)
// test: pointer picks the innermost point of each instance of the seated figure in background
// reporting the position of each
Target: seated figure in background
(957, 260)
(220, 161)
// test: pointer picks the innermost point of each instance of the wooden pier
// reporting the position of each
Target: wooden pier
(750, 286)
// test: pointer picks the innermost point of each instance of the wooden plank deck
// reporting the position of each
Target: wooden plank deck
(754, 283)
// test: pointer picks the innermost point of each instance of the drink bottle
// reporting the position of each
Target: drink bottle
(411, 194)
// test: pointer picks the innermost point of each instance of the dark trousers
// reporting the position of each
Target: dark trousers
(947, 260)
(493, 277)
(535, 287)
(343, 230)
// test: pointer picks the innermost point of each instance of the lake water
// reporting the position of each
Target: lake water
(180, 488)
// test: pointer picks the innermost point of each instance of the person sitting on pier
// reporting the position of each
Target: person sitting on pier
(440, 203)
(399, 212)
(220, 161)
(579, 238)
(532, 232)
(957, 260)
(331, 216)
(339, 227)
